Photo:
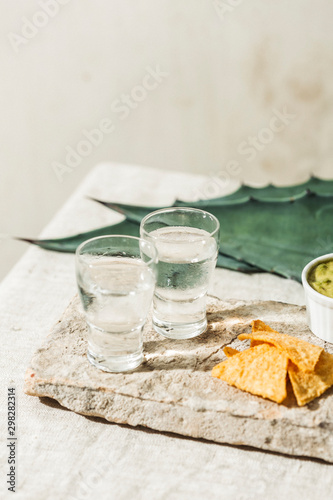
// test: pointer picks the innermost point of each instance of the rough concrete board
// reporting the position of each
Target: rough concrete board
(173, 390)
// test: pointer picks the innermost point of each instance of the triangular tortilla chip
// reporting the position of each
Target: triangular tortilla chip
(308, 386)
(300, 352)
(261, 370)
(257, 342)
(258, 325)
(230, 351)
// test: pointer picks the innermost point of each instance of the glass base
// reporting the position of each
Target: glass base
(180, 331)
(116, 364)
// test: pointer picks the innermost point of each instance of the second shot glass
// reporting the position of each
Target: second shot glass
(116, 280)
(187, 242)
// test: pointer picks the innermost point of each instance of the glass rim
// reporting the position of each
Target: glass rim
(152, 260)
(183, 209)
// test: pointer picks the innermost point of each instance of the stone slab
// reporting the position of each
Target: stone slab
(173, 390)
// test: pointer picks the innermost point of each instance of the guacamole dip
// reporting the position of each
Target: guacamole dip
(321, 278)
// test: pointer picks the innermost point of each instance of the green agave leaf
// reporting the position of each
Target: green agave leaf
(272, 229)
(321, 187)
(278, 236)
(244, 194)
(235, 265)
(270, 193)
(70, 244)
(134, 213)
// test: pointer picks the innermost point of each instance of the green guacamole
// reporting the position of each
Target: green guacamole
(321, 278)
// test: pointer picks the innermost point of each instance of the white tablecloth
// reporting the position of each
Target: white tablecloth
(62, 455)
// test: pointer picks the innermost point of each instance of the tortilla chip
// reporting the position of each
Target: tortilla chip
(230, 351)
(258, 326)
(256, 342)
(261, 370)
(308, 386)
(300, 352)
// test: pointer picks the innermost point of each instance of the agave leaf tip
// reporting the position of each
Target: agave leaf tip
(26, 240)
(91, 198)
(107, 204)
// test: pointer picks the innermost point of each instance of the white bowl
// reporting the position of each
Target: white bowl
(319, 307)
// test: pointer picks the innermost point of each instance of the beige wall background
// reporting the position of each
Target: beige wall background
(231, 89)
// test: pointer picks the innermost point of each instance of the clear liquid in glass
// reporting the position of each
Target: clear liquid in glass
(116, 294)
(187, 258)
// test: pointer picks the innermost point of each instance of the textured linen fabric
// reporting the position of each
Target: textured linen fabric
(62, 455)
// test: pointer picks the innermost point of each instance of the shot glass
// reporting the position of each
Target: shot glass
(187, 242)
(116, 280)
